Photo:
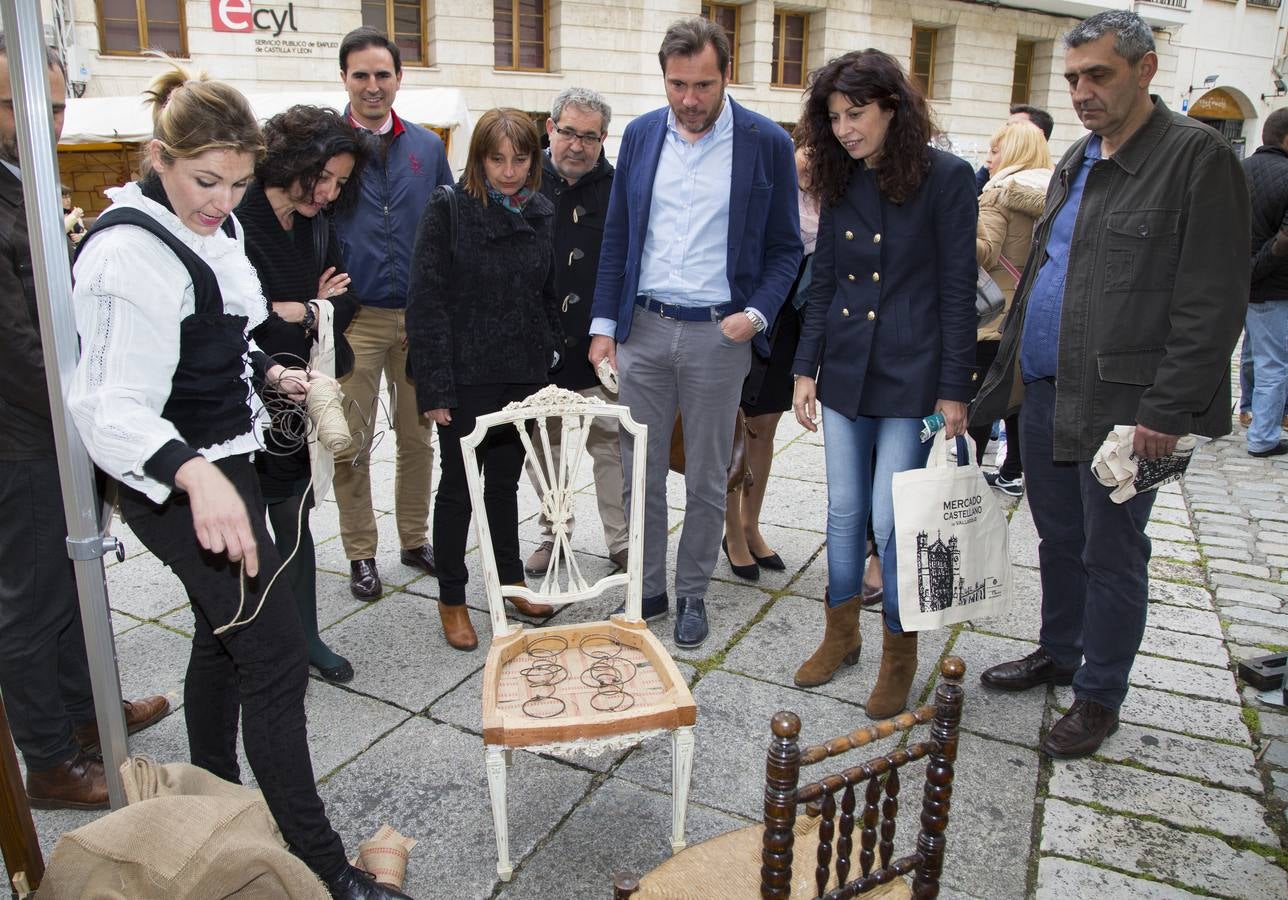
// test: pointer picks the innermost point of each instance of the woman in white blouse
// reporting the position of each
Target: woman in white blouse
(164, 397)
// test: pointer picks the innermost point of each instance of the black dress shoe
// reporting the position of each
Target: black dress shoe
(1278, 449)
(690, 622)
(1022, 674)
(1081, 732)
(341, 673)
(364, 580)
(773, 562)
(355, 884)
(421, 558)
(751, 572)
(651, 608)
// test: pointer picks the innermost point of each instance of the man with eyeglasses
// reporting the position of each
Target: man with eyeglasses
(578, 179)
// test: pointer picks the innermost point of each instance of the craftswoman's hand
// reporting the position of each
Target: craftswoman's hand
(332, 283)
(291, 383)
(602, 347)
(954, 417)
(219, 515)
(803, 402)
(439, 416)
(738, 327)
(290, 310)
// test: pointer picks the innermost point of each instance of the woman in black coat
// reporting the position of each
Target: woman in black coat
(888, 332)
(315, 160)
(483, 330)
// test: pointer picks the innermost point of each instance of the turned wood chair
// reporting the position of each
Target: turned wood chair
(580, 688)
(758, 860)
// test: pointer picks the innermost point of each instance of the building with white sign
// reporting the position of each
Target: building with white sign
(973, 58)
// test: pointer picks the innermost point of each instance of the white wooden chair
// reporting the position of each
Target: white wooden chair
(586, 687)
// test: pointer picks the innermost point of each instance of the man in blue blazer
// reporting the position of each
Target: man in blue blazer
(701, 245)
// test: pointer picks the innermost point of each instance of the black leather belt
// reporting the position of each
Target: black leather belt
(684, 313)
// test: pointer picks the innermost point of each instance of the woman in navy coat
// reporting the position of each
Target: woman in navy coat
(888, 330)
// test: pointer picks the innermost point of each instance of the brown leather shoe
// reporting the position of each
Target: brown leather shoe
(420, 558)
(77, 783)
(139, 714)
(1022, 674)
(364, 580)
(457, 627)
(1081, 731)
(528, 608)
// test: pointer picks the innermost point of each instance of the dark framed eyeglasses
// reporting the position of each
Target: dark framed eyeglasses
(588, 139)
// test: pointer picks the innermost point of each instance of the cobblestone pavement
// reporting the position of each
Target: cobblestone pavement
(1187, 799)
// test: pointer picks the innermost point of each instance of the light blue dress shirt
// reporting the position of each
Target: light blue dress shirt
(686, 249)
(1040, 339)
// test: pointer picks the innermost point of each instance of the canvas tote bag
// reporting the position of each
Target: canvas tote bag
(951, 544)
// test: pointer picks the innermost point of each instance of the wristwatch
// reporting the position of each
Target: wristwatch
(757, 321)
(310, 320)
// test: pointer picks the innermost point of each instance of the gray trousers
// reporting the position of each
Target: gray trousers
(667, 365)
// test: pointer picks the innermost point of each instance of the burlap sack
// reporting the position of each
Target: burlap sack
(185, 833)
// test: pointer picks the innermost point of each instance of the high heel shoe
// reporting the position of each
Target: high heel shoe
(773, 562)
(750, 573)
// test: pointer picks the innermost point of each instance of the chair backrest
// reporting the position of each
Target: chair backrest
(564, 581)
(880, 780)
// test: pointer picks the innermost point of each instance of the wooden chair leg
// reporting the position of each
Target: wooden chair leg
(681, 773)
(495, 758)
(18, 838)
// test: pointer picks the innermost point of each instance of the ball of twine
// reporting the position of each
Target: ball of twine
(326, 409)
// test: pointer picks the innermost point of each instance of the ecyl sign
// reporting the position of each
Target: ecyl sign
(240, 17)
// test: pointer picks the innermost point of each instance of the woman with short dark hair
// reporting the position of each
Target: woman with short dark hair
(483, 330)
(887, 334)
(313, 166)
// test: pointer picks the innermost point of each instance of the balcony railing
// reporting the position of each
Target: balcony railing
(1182, 4)
(1265, 4)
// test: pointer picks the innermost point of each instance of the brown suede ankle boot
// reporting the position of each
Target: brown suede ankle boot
(530, 607)
(841, 644)
(898, 668)
(457, 627)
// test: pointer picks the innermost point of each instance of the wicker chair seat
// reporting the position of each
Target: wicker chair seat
(718, 868)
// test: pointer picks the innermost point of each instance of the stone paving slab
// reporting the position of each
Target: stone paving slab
(620, 827)
(1186, 647)
(1239, 597)
(142, 587)
(416, 667)
(1185, 678)
(1010, 717)
(732, 734)
(1177, 754)
(1062, 879)
(1174, 800)
(1195, 860)
(1176, 712)
(798, 623)
(430, 781)
(1179, 594)
(1189, 621)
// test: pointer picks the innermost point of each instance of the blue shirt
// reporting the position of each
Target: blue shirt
(685, 260)
(1040, 340)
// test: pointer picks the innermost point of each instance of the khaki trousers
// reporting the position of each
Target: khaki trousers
(376, 336)
(606, 455)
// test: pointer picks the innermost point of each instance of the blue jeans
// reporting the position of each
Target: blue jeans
(1094, 558)
(1245, 373)
(1267, 324)
(854, 488)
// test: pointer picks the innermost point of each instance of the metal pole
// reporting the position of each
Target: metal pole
(86, 544)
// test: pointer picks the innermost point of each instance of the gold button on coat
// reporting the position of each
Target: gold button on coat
(974, 376)
(876, 238)
(845, 311)
(851, 276)
(871, 315)
(849, 235)
(876, 276)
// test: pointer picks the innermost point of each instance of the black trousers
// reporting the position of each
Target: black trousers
(1094, 558)
(500, 459)
(1012, 467)
(260, 669)
(44, 676)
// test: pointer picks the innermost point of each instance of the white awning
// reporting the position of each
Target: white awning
(95, 120)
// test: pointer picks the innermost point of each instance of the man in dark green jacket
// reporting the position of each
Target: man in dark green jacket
(1127, 315)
